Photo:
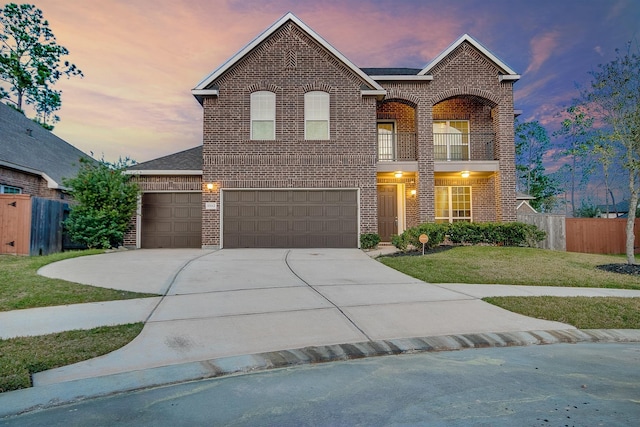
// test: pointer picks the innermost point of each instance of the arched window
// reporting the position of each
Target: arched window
(316, 115)
(263, 115)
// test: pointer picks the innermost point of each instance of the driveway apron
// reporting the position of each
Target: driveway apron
(247, 301)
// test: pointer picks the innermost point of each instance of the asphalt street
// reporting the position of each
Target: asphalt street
(559, 385)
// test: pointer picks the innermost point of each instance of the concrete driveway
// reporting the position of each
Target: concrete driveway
(239, 302)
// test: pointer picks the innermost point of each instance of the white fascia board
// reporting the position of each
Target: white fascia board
(397, 78)
(265, 34)
(51, 183)
(204, 92)
(162, 172)
(486, 52)
(506, 77)
(376, 93)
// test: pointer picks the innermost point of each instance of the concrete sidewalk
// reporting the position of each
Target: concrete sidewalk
(236, 310)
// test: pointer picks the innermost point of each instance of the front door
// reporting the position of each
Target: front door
(387, 211)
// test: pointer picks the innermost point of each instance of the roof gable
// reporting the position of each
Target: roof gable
(28, 147)
(203, 87)
(507, 72)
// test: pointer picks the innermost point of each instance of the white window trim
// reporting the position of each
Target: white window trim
(321, 115)
(4, 187)
(265, 116)
(448, 145)
(451, 218)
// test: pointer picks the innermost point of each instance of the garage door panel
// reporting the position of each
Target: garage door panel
(290, 218)
(171, 220)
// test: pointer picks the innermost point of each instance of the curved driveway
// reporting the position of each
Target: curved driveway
(248, 301)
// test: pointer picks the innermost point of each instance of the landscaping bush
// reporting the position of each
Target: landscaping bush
(369, 240)
(491, 233)
(411, 236)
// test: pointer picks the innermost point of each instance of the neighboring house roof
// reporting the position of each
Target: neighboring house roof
(187, 162)
(28, 147)
(204, 88)
(620, 207)
(507, 72)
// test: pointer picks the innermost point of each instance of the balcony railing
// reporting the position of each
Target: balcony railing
(397, 147)
(402, 146)
(463, 146)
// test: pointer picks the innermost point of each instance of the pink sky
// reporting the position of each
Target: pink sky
(140, 58)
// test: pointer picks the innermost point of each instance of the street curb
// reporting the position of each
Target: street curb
(43, 397)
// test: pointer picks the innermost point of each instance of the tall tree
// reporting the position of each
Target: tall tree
(576, 150)
(30, 59)
(613, 95)
(532, 143)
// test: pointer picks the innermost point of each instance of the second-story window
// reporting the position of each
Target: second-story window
(263, 115)
(316, 115)
(451, 139)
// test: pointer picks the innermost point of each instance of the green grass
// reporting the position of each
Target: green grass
(21, 357)
(581, 312)
(514, 266)
(534, 267)
(22, 287)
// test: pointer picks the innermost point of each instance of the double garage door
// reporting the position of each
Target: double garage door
(290, 218)
(255, 219)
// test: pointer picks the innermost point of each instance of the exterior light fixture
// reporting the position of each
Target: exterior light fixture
(398, 174)
(210, 186)
(464, 174)
(413, 193)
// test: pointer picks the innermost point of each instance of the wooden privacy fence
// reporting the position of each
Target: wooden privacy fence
(31, 225)
(599, 235)
(553, 225)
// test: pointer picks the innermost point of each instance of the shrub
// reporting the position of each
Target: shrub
(492, 233)
(369, 240)
(106, 198)
(411, 236)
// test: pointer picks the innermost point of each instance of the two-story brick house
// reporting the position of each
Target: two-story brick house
(301, 148)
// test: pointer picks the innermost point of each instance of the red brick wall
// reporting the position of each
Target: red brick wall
(289, 64)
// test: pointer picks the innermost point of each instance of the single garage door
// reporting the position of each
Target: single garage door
(290, 219)
(171, 220)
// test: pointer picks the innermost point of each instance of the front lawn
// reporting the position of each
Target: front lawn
(513, 266)
(22, 287)
(23, 356)
(581, 312)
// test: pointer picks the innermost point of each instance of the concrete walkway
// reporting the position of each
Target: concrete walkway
(237, 310)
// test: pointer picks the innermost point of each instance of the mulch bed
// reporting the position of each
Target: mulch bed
(632, 269)
(433, 250)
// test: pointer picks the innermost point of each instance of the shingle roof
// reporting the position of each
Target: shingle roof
(391, 71)
(190, 159)
(27, 146)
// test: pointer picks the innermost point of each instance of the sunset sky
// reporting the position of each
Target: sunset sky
(141, 58)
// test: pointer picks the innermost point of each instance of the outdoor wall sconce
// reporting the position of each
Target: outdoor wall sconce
(210, 186)
(413, 193)
(465, 174)
(398, 174)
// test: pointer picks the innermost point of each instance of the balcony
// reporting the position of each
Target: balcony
(397, 147)
(463, 147)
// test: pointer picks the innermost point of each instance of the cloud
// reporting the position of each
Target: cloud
(542, 48)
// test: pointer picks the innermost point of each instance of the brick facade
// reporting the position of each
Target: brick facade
(467, 84)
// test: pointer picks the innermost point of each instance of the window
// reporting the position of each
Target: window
(8, 189)
(263, 115)
(453, 204)
(451, 139)
(386, 141)
(316, 115)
